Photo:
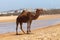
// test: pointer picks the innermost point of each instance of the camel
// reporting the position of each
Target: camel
(27, 17)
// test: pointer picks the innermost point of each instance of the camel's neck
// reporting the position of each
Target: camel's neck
(36, 15)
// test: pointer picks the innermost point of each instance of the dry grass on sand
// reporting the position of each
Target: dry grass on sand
(48, 33)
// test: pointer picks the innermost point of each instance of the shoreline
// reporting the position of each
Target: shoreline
(47, 33)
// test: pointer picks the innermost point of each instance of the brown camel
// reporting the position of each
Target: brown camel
(27, 17)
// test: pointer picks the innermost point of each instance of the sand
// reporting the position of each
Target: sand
(42, 17)
(48, 33)
(8, 18)
(47, 17)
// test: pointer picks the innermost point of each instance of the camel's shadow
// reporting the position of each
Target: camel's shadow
(22, 34)
(14, 34)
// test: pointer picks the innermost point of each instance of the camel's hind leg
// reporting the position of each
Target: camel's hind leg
(21, 28)
(16, 28)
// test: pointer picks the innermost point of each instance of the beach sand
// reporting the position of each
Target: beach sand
(48, 33)
(8, 18)
(42, 17)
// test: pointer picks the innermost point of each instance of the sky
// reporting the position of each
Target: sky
(6, 5)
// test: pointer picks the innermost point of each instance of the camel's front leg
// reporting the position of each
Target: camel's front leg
(28, 27)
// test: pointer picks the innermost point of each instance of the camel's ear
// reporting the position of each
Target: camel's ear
(23, 10)
(41, 9)
(28, 13)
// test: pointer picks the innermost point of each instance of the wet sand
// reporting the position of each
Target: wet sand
(48, 33)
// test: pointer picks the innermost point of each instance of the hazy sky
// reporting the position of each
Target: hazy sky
(17, 4)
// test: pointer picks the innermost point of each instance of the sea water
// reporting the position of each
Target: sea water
(11, 26)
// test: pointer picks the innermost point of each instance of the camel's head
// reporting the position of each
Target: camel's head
(24, 11)
(39, 10)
